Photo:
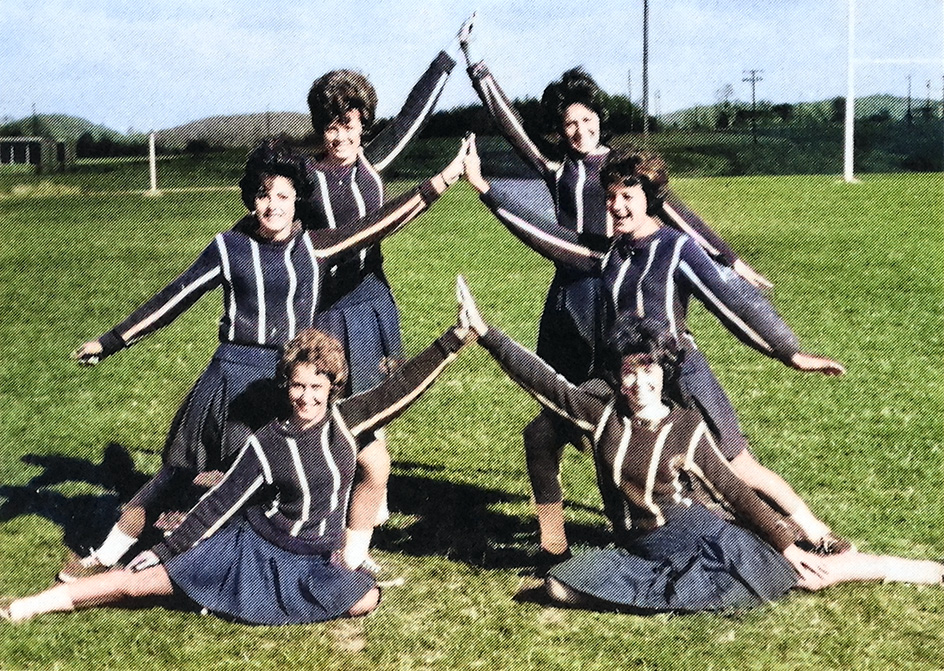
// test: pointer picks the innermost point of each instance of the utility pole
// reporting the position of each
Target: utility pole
(927, 103)
(645, 68)
(753, 79)
(629, 92)
(908, 111)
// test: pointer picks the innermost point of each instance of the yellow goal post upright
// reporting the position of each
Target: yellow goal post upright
(853, 61)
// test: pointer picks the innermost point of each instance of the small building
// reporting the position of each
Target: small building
(46, 154)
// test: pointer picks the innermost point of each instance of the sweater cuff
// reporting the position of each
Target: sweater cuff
(478, 71)
(449, 342)
(428, 192)
(444, 61)
(492, 338)
(163, 552)
(111, 342)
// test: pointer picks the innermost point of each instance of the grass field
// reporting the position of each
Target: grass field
(859, 274)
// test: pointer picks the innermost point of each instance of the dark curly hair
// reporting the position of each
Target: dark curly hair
(629, 167)
(574, 86)
(274, 156)
(645, 341)
(338, 92)
(323, 351)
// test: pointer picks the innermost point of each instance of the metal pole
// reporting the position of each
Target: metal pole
(153, 165)
(848, 150)
(753, 79)
(645, 68)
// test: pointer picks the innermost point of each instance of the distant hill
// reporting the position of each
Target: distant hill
(239, 130)
(868, 106)
(60, 127)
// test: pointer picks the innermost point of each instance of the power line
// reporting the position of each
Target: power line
(753, 79)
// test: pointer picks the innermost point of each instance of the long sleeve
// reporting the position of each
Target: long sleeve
(419, 105)
(173, 300)
(678, 215)
(706, 462)
(509, 122)
(328, 244)
(379, 406)
(539, 231)
(739, 306)
(247, 474)
(551, 390)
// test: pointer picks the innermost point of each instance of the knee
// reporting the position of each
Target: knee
(374, 462)
(366, 604)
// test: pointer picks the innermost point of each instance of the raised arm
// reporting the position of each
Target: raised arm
(509, 122)
(420, 103)
(536, 228)
(377, 407)
(205, 274)
(330, 243)
(530, 372)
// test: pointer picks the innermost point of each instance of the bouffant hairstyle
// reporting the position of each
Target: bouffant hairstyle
(643, 342)
(632, 167)
(274, 156)
(574, 86)
(319, 349)
(338, 92)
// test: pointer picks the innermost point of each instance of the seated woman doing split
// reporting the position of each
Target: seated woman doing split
(265, 545)
(671, 554)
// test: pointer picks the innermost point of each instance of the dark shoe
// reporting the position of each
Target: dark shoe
(77, 567)
(830, 544)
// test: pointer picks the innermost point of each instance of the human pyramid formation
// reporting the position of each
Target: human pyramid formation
(286, 424)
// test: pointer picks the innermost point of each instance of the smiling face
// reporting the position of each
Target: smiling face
(342, 138)
(581, 126)
(275, 207)
(308, 393)
(641, 384)
(627, 206)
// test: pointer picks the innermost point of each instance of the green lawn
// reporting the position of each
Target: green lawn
(859, 274)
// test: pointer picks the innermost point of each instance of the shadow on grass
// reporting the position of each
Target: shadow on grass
(85, 519)
(455, 520)
(460, 521)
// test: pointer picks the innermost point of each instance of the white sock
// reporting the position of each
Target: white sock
(356, 545)
(52, 600)
(114, 548)
(919, 572)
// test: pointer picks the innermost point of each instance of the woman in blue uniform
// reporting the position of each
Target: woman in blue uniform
(671, 554)
(265, 545)
(271, 273)
(358, 305)
(652, 271)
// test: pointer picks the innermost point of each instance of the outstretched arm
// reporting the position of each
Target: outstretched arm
(247, 474)
(677, 214)
(537, 229)
(745, 312)
(379, 406)
(328, 243)
(509, 122)
(389, 143)
(529, 371)
(164, 307)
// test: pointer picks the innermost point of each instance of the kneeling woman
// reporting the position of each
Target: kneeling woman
(671, 553)
(267, 545)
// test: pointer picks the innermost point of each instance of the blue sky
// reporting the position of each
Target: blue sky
(128, 64)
